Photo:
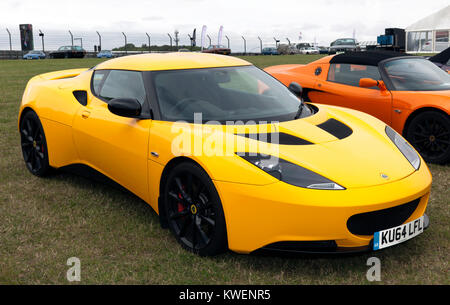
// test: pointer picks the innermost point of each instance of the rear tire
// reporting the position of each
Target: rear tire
(429, 133)
(194, 210)
(34, 144)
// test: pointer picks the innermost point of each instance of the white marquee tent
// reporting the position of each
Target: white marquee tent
(430, 34)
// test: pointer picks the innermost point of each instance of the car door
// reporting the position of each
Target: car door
(340, 87)
(116, 146)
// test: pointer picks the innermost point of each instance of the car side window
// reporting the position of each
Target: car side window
(350, 74)
(120, 84)
(97, 80)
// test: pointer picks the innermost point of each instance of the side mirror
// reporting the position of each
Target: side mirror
(126, 107)
(369, 83)
(296, 89)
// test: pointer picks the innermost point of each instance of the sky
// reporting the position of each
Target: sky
(318, 20)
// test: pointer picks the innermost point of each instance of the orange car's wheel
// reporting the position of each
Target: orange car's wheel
(34, 145)
(429, 133)
(194, 211)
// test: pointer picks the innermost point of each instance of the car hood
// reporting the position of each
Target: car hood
(346, 146)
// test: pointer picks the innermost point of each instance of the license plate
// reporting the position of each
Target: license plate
(396, 235)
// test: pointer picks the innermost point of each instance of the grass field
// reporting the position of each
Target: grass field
(118, 239)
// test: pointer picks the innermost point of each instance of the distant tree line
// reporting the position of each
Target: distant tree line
(144, 47)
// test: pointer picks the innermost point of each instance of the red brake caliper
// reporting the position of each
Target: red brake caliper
(180, 205)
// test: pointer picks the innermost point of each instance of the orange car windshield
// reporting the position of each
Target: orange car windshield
(416, 74)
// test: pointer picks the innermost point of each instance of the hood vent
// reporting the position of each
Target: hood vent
(336, 128)
(283, 138)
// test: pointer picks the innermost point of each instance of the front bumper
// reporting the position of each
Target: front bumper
(260, 216)
(319, 247)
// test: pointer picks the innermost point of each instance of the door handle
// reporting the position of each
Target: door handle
(85, 114)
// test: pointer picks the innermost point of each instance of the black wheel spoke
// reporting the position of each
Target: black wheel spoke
(29, 128)
(179, 214)
(174, 196)
(28, 156)
(208, 220)
(184, 227)
(181, 189)
(194, 231)
(202, 234)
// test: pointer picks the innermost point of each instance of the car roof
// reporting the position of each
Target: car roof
(171, 61)
(370, 58)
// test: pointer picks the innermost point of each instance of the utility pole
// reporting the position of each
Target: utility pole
(191, 39)
(228, 40)
(125, 36)
(245, 45)
(209, 38)
(176, 38)
(71, 37)
(170, 41)
(42, 38)
(289, 42)
(149, 44)
(276, 42)
(9, 34)
(99, 41)
(260, 43)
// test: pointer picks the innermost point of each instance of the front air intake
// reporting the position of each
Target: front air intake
(336, 128)
(371, 222)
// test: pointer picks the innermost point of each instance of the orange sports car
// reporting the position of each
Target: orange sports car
(409, 93)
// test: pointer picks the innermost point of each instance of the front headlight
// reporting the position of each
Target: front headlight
(405, 148)
(290, 173)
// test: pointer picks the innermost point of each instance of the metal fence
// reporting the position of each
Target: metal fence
(49, 40)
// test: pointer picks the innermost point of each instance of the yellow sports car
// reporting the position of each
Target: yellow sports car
(228, 156)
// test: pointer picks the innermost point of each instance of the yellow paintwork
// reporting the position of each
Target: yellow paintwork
(171, 61)
(258, 208)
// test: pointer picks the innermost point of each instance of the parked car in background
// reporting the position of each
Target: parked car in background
(324, 50)
(217, 49)
(184, 50)
(309, 50)
(34, 55)
(409, 93)
(105, 54)
(269, 51)
(285, 49)
(342, 45)
(68, 52)
(442, 60)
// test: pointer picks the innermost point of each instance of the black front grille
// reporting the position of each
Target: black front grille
(371, 222)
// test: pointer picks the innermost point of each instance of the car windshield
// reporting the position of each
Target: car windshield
(243, 93)
(416, 74)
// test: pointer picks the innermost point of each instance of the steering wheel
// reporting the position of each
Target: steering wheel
(183, 103)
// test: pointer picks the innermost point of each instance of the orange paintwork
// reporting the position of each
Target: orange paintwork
(392, 107)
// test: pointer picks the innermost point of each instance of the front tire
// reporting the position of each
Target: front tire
(34, 144)
(429, 133)
(194, 210)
